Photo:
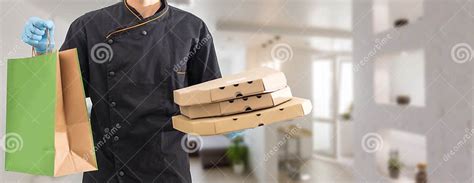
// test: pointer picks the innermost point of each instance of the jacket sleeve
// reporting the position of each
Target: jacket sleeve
(76, 38)
(203, 66)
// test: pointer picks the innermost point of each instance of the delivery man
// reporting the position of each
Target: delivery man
(133, 55)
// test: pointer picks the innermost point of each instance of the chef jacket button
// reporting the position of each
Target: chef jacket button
(112, 73)
(110, 41)
(121, 173)
(116, 138)
(113, 104)
(144, 33)
(106, 130)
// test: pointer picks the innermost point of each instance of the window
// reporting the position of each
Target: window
(322, 88)
(332, 95)
(346, 92)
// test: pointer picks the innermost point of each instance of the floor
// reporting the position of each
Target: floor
(217, 175)
(318, 169)
(321, 170)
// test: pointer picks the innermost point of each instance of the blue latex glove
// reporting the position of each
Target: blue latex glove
(34, 34)
(233, 135)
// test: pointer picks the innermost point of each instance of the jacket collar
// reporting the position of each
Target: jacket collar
(133, 12)
(137, 19)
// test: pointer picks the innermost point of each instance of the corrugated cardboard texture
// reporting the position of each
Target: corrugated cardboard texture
(296, 107)
(256, 81)
(244, 104)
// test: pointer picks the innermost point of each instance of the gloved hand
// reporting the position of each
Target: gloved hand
(233, 135)
(34, 34)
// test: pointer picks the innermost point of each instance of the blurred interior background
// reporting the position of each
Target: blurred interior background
(390, 99)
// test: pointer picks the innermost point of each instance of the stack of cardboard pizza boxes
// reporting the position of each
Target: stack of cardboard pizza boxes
(246, 100)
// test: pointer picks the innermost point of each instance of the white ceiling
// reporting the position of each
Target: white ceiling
(319, 13)
(255, 22)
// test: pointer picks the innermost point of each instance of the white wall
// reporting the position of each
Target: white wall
(408, 75)
(388, 11)
(448, 110)
(400, 73)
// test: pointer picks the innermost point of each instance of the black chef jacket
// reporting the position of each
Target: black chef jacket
(130, 66)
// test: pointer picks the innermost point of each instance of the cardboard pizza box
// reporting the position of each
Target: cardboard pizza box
(252, 82)
(294, 108)
(240, 105)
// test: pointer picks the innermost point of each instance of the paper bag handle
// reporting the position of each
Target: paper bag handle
(48, 38)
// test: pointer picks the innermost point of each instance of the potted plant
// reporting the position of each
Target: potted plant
(237, 154)
(346, 129)
(346, 116)
(394, 165)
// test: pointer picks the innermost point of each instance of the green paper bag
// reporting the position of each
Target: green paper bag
(48, 130)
